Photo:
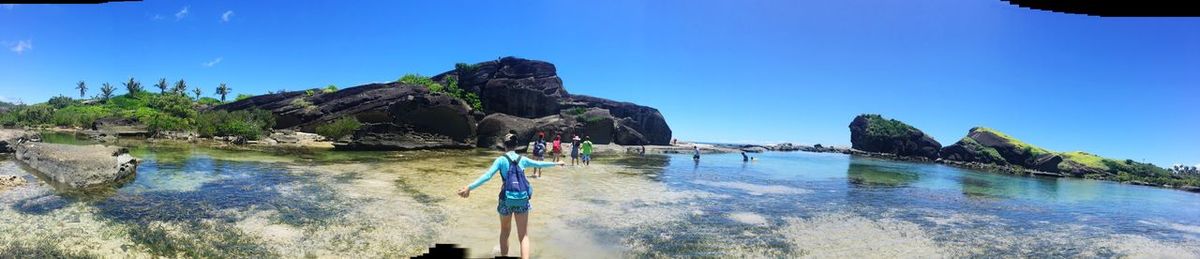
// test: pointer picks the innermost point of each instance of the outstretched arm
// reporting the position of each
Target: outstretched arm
(530, 163)
(487, 175)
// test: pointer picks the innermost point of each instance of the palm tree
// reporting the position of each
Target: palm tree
(162, 85)
(82, 89)
(106, 91)
(180, 87)
(196, 90)
(133, 86)
(223, 90)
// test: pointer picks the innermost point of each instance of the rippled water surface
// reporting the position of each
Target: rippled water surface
(195, 201)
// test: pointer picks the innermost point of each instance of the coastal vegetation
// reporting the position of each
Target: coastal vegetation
(172, 109)
(890, 128)
(450, 88)
(1002, 149)
(339, 128)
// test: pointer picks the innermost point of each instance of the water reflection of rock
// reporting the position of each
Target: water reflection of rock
(981, 185)
(650, 166)
(865, 174)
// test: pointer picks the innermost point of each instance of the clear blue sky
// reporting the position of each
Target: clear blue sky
(729, 71)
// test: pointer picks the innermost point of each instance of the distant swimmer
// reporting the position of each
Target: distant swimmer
(696, 151)
(744, 157)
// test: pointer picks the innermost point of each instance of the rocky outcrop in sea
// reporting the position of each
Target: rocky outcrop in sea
(515, 93)
(873, 133)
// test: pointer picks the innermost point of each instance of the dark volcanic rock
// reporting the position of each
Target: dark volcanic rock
(395, 116)
(493, 128)
(984, 145)
(532, 89)
(598, 124)
(409, 116)
(644, 121)
(515, 86)
(873, 133)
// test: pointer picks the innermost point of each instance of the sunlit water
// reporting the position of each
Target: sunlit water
(193, 201)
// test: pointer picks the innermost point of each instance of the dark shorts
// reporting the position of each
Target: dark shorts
(509, 210)
(574, 153)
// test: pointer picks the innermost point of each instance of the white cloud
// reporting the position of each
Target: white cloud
(21, 46)
(225, 16)
(157, 17)
(181, 13)
(211, 63)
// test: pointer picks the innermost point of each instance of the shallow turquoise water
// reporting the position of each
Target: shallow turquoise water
(197, 201)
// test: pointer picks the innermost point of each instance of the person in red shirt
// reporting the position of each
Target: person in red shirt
(556, 148)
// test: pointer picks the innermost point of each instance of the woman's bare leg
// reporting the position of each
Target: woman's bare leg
(505, 225)
(522, 234)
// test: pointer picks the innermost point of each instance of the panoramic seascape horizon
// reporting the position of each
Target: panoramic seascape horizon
(192, 200)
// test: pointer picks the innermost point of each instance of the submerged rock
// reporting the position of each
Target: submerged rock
(78, 166)
(11, 181)
(873, 133)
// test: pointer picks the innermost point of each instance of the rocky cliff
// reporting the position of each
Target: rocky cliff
(873, 133)
(986, 145)
(514, 92)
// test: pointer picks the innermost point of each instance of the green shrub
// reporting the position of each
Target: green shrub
(304, 104)
(419, 80)
(577, 111)
(174, 105)
(464, 68)
(59, 102)
(471, 98)
(310, 92)
(250, 124)
(329, 89)
(33, 115)
(891, 128)
(79, 115)
(209, 101)
(242, 97)
(159, 122)
(339, 128)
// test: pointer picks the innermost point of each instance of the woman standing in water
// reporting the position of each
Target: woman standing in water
(515, 192)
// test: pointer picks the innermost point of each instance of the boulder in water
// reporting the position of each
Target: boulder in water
(78, 166)
(873, 133)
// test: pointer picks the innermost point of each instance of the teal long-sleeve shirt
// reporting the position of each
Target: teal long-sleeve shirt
(501, 165)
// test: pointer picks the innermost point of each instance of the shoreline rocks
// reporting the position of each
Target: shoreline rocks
(78, 166)
(873, 133)
(10, 138)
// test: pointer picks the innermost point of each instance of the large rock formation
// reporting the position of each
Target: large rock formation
(985, 145)
(873, 133)
(514, 86)
(532, 89)
(394, 115)
(78, 166)
(635, 124)
(398, 116)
